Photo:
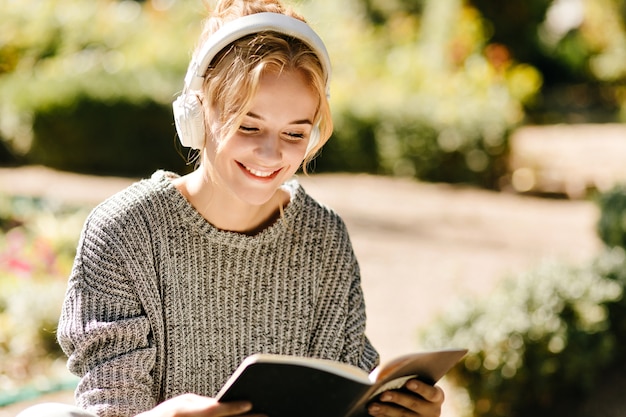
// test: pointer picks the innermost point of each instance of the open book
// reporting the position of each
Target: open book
(286, 386)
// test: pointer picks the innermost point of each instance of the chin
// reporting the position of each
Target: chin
(259, 194)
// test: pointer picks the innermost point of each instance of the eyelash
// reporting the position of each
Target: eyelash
(292, 136)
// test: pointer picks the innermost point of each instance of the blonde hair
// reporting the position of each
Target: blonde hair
(233, 76)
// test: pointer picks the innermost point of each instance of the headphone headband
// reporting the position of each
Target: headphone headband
(247, 25)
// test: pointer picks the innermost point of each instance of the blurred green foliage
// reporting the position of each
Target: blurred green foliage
(579, 46)
(412, 96)
(423, 88)
(541, 343)
(611, 226)
(122, 138)
(83, 76)
(37, 247)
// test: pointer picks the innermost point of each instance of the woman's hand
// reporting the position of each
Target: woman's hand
(191, 405)
(417, 399)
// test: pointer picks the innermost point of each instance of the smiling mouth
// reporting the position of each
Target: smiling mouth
(259, 174)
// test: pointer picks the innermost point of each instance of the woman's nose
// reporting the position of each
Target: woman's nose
(268, 148)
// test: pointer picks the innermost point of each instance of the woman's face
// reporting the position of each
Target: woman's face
(270, 144)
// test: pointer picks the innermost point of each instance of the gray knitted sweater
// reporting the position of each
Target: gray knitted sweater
(161, 303)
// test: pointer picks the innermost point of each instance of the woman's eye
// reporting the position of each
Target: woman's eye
(248, 129)
(293, 135)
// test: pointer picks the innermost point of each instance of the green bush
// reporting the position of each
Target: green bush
(611, 226)
(120, 138)
(540, 343)
(437, 100)
(415, 147)
(37, 247)
(352, 148)
(83, 76)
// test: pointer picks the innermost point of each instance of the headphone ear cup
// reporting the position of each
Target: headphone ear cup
(189, 120)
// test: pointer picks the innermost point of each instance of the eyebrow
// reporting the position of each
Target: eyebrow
(295, 122)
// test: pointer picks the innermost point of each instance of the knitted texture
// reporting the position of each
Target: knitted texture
(161, 303)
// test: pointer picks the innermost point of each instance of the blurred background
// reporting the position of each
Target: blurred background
(522, 99)
(432, 90)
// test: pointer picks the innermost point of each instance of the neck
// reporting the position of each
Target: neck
(224, 210)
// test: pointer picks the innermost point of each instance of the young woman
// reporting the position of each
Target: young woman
(178, 279)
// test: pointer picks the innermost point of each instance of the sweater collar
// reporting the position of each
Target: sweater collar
(191, 218)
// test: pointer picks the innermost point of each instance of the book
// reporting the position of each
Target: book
(284, 386)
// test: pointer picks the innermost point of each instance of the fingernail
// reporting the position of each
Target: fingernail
(374, 409)
(412, 385)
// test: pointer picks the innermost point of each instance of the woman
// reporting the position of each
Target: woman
(178, 279)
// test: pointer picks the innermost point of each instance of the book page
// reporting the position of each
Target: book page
(426, 366)
(394, 384)
(338, 368)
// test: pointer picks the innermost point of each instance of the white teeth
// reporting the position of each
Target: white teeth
(259, 173)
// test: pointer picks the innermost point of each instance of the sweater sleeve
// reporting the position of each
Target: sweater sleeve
(104, 329)
(340, 312)
(358, 348)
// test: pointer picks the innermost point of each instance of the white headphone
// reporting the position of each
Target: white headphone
(188, 112)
